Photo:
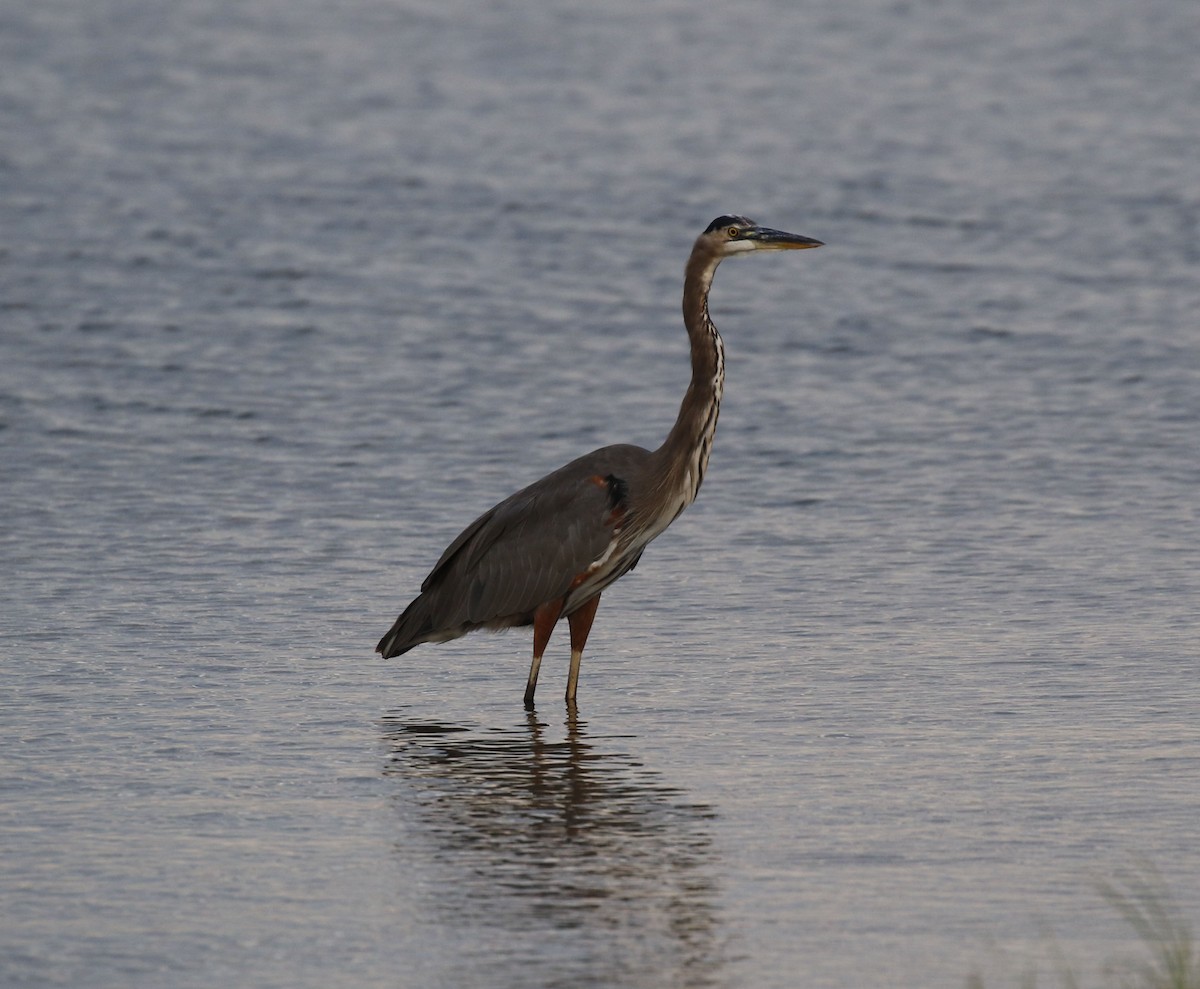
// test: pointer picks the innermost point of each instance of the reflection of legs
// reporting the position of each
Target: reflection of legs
(581, 624)
(543, 624)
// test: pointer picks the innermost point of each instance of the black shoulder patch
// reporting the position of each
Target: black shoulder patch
(618, 491)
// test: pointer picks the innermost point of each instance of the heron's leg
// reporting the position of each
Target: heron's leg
(544, 619)
(581, 624)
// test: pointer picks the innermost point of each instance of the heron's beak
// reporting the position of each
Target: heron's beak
(779, 240)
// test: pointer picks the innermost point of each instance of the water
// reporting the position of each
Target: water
(290, 291)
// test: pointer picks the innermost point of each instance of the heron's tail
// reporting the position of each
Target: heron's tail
(412, 628)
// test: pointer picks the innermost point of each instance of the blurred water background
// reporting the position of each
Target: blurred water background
(290, 291)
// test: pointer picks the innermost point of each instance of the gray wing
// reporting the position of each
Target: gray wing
(529, 548)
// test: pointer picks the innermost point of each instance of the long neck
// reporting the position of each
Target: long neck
(683, 457)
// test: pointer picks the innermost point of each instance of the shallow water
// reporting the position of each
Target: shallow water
(290, 292)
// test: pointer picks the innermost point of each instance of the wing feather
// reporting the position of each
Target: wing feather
(527, 551)
(524, 552)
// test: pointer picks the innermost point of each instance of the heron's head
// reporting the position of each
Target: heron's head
(728, 236)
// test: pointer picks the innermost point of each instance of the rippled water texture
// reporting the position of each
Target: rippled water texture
(289, 292)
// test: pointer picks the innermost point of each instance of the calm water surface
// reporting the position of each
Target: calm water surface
(289, 292)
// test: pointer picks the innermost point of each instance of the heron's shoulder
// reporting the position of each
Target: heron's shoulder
(621, 459)
(583, 479)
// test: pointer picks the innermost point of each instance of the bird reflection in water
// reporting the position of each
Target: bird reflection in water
(553, 861)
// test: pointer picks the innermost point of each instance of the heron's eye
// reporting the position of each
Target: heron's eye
(734, 233)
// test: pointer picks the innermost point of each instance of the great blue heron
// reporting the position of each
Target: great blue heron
(548, 551)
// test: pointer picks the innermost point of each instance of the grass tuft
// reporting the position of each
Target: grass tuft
(1142, 898)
